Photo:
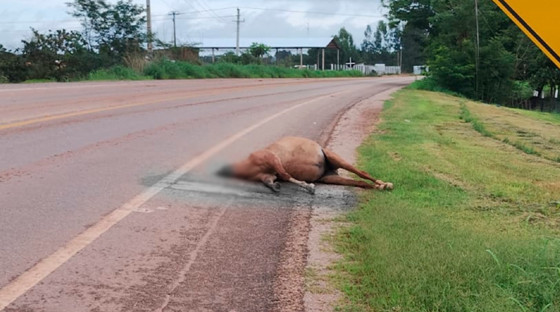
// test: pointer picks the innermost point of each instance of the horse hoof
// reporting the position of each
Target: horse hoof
(311, 188)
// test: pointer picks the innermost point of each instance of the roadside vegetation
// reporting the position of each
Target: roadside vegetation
(474, 221)
(165, 69)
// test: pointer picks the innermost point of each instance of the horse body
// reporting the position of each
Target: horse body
(300, 161)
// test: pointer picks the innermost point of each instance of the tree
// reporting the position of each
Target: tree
(112, 30)
(12, 66)
(229, 57)
(285, 58)
(380, 46)
(368, 45)
(347, 47)
(411, 20)
(258, 50)
(452, 27)
(59, 54)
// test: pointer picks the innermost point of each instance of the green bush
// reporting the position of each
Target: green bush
(430, 84)
(117, 72)
(166, 69)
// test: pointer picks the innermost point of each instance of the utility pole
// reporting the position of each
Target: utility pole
(174, 13)
(477, 56)
(149, 27)
(237, 41)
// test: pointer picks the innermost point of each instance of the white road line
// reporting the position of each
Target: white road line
(46, 266)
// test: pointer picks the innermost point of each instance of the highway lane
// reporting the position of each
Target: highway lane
(73, 153)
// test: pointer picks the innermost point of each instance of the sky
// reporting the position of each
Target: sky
(210, 22)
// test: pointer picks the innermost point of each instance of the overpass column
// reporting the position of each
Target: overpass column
(337, 59)
(323, 63)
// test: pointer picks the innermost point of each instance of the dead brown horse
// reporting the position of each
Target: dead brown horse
(300, 161)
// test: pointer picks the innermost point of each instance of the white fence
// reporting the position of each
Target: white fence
(380, 69)
(340, 67)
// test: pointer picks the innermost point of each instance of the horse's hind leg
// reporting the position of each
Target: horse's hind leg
(337, 162)
(338, 180)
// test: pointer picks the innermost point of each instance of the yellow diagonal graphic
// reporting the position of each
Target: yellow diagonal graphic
(538, 20)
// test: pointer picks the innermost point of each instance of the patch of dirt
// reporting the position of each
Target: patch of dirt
(289, 281)
(353, 127)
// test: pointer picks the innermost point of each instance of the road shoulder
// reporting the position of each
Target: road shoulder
(354, 126)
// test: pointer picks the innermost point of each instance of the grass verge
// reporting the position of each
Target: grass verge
(472, 225)
(165, 69)
(531, 132)
(180, 70)
(117, 73)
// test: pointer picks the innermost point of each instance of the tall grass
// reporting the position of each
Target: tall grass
(469, 226)
(117, 73)
(165, 69)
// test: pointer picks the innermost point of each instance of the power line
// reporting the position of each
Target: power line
(159, 19)
(203, 5)
(196, 12)
(206, 9)
(313, 12)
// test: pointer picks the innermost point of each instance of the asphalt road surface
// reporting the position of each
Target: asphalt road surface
(107, 201)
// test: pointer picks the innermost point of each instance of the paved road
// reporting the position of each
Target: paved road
(105, 200)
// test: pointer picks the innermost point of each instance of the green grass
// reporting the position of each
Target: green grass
(116, 73)
(165, 69)
(182, 70)
(477, 125)
(472, 225)
(428, 84)
(549, 117)
(531, 132)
